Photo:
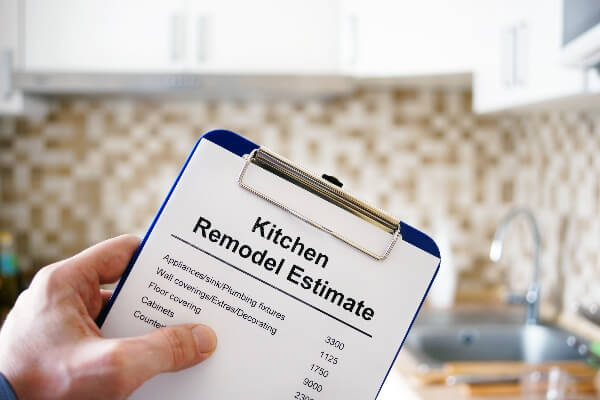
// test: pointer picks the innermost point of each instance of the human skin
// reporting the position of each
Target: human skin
(51, 347)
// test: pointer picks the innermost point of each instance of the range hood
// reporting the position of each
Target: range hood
(271, 86)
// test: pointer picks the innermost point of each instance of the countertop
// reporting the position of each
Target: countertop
(399, 386)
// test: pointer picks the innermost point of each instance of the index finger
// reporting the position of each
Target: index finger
(108, 258)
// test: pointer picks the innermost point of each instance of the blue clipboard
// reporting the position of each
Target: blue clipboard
(241, 147)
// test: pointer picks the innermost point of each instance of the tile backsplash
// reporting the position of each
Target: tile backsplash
(95, 168)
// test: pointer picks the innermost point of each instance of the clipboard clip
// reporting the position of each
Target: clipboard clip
(298, 176)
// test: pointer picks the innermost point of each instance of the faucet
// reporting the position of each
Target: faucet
(531, 298)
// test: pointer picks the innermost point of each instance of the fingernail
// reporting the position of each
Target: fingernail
(206, 340)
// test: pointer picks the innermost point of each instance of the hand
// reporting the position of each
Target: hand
(51, 348)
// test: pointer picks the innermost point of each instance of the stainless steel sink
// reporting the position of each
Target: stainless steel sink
(471, 337)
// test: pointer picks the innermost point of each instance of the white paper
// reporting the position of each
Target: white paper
(262, 355)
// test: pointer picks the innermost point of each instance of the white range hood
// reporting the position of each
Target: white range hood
(238, 86)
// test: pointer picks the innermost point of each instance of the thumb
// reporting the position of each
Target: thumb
(164, 350)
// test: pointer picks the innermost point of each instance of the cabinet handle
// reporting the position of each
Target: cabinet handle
(202, 33)
(353, 41)
(6, 67)
(353, 27)
(514, 59)
(521, 53)
(177, 37)
(507, 56)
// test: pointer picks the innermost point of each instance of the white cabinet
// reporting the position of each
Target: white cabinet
(520, 65)
(550, 79)
(498, 72)
(12, 100)
(9, 99)
(103, 35)
(512, 45)
(377, 38)
(412, 38)
(181, 36)
(264, 36)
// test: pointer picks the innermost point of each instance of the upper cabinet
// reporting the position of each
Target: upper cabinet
(521, 62)
(103, 35)
(12, 100)
(9, 98)
(352, 37)
(411, 38)
(262, 36)
(513, 47)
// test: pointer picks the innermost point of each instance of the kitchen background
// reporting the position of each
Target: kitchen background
(445, 114)
(93, 169)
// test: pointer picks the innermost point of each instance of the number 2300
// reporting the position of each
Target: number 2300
(302, 396)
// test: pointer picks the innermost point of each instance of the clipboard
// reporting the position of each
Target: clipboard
(218, 227)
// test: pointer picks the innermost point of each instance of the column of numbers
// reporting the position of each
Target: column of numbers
(320, 369)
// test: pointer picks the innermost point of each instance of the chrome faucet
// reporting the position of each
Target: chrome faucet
(531, 298)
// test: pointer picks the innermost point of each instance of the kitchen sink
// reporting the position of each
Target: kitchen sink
(437, 339)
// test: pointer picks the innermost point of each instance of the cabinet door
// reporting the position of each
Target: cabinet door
(9, 19)
(498, 78)
(414, 38)
(264, 36)
(11, 101)
(104, 35)
(550, 79)
(521, 65)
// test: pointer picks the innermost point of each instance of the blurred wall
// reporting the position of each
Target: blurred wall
(98, 168)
